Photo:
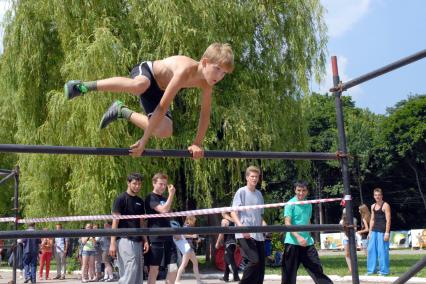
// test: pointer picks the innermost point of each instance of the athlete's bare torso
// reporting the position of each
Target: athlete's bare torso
(165, 69)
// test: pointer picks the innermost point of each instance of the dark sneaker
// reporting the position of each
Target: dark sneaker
(113, 113)
(224, 279)
(74, 88)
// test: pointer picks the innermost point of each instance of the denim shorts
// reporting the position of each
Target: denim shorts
(88, 253)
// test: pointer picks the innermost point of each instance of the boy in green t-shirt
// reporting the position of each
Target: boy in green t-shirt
(299, 246)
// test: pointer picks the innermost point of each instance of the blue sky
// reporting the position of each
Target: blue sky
(366, 35)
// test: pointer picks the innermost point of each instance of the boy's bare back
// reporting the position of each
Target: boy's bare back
(165, 69)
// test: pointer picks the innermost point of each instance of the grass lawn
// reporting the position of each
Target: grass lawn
(336, 265)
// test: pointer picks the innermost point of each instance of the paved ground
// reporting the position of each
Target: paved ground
(212, 278)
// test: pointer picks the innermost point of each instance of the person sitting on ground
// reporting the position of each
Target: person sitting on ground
(156, 83)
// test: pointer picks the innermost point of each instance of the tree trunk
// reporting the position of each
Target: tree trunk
(413, 167)
(358, 174)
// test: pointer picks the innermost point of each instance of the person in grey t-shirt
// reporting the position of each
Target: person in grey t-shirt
(252, 244)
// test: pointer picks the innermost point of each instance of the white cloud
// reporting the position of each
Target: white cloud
(327, 82)
(342, 15)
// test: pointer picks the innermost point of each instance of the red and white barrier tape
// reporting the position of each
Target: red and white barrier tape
(162, 215)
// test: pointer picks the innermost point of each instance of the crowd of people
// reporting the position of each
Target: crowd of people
(139, 255)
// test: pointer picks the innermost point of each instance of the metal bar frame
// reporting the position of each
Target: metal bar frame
(3, 180)
(167, 231)
(412, 271)
(337, 89)
(378, 72)
(345, 172)
(42, 149)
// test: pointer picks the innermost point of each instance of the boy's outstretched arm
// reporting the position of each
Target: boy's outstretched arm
(159, 113)
(203, 124)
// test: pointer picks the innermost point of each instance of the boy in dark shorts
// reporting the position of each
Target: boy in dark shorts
(162, 248)
(157, 83)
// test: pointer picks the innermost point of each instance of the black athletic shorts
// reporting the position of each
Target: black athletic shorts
(162, 253)
(152, 96)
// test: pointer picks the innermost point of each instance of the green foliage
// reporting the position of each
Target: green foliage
(279, 46)
(405, 129)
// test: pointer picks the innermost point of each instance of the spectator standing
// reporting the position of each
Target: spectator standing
(61, 247)
(46, 249)
(345, 223)
(162, 249)
(251, 244)
(88, 257)
(299, 246)
(230, 247)
(98, 255)
(378, 237)
(129, 249)
(365, 226)
(106, 258)
(31, 251)
(188, 252)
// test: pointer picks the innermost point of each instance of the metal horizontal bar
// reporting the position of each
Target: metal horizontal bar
(42, 149)
(166, 231)
(4, 172)
(385, 69)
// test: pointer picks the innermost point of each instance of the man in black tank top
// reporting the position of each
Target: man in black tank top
(230, 247)
(378, 244)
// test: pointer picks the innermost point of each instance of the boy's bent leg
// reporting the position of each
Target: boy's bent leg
(135, 86)
(311, 261)
(164, 129)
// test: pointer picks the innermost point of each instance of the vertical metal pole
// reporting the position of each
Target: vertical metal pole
(345, 171)
(16, 208)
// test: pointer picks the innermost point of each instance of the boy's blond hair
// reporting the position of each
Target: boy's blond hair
(252, 169)
(158, 176)
(222, 54)
(378, 190)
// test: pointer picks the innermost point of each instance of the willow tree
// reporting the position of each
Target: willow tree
(279, 47)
